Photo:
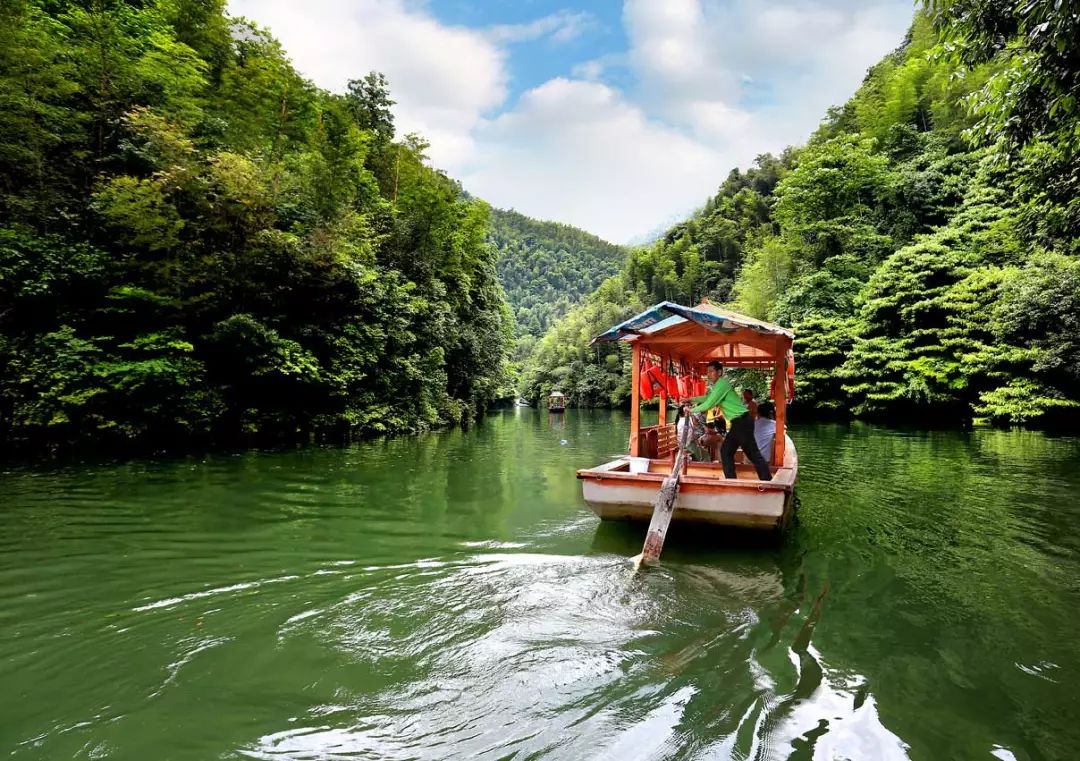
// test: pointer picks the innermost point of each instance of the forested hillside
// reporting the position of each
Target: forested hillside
(548, 267)
(923, 244)
(198, 245)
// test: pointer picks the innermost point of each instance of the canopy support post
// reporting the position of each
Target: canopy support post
(661, 415)
(635, 400)
(780, 398)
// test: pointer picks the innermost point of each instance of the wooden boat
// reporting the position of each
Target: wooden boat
(557, 402)
(690, 337)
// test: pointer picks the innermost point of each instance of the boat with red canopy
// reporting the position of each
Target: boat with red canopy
(671, 346)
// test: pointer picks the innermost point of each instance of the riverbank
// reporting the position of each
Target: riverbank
(334, 436)
(96, 451)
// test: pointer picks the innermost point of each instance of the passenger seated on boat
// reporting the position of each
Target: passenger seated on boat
(715, 418)
(748, 400)
(713, 437)
(765, 429)
(740, 424)
(698, 429)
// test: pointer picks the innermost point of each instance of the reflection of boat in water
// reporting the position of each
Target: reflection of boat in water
(671, 335)
(557, 402)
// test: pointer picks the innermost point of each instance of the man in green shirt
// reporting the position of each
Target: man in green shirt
(740, 423)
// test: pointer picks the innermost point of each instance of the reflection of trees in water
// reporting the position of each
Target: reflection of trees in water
(935, 544)
(927, 595)
(926, 598)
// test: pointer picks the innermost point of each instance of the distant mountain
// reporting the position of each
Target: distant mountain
(658, 232)
(547, 267)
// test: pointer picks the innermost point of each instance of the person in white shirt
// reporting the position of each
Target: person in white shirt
(765, 429)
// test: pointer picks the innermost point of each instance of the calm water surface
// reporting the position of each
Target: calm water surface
(450, 596)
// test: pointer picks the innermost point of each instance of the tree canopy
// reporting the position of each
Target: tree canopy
(923, 243)
(548, 267)
(198, 245)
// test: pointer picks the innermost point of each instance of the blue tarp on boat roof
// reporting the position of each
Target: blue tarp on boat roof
(666, 314)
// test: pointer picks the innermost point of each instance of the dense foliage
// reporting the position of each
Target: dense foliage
(548, 267)
(197, 244)
(923, 244)
(695, 259)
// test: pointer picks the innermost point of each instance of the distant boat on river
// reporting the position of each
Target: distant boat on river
(557, 402)
(672, 336)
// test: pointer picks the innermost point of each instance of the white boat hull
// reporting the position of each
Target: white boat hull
(704, 496)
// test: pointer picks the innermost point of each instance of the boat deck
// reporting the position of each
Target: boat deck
(614, 492)
(710, 473)
(744, 471)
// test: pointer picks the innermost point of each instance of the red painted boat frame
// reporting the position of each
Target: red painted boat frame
(613, 492)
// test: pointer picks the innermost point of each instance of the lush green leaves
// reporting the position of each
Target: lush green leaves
(244, 255)
(1029, 106)
(547, 267)
(922, 245)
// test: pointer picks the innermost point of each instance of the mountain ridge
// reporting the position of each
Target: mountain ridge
(547, 267)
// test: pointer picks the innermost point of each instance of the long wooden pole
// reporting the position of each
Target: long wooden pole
(635, 401)
(664, 507)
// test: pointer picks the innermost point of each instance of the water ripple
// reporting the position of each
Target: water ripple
(450, 596)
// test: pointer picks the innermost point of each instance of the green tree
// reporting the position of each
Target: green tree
(1030, 104)
(834, 201)
(196, 244)
(370, 104)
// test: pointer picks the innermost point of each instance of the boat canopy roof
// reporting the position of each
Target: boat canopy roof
(704, 333)
(557, 393)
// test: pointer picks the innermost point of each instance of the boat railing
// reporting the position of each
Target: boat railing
(657, 441)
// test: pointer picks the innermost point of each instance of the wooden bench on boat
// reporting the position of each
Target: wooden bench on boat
(657, 441)
(626, 488)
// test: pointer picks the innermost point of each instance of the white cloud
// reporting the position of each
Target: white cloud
(561, 26)
(579, 152)
(715, 82)
(671, 48)
(444, 78)
(703, 64)
(591, 70)
(596, 68)
(585, 153)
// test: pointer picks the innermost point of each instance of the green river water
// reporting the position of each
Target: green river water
(451, 596)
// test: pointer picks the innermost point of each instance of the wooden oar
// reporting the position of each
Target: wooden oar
(664, 506)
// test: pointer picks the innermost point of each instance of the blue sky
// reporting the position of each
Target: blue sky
(590, 30)
(618, 117)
